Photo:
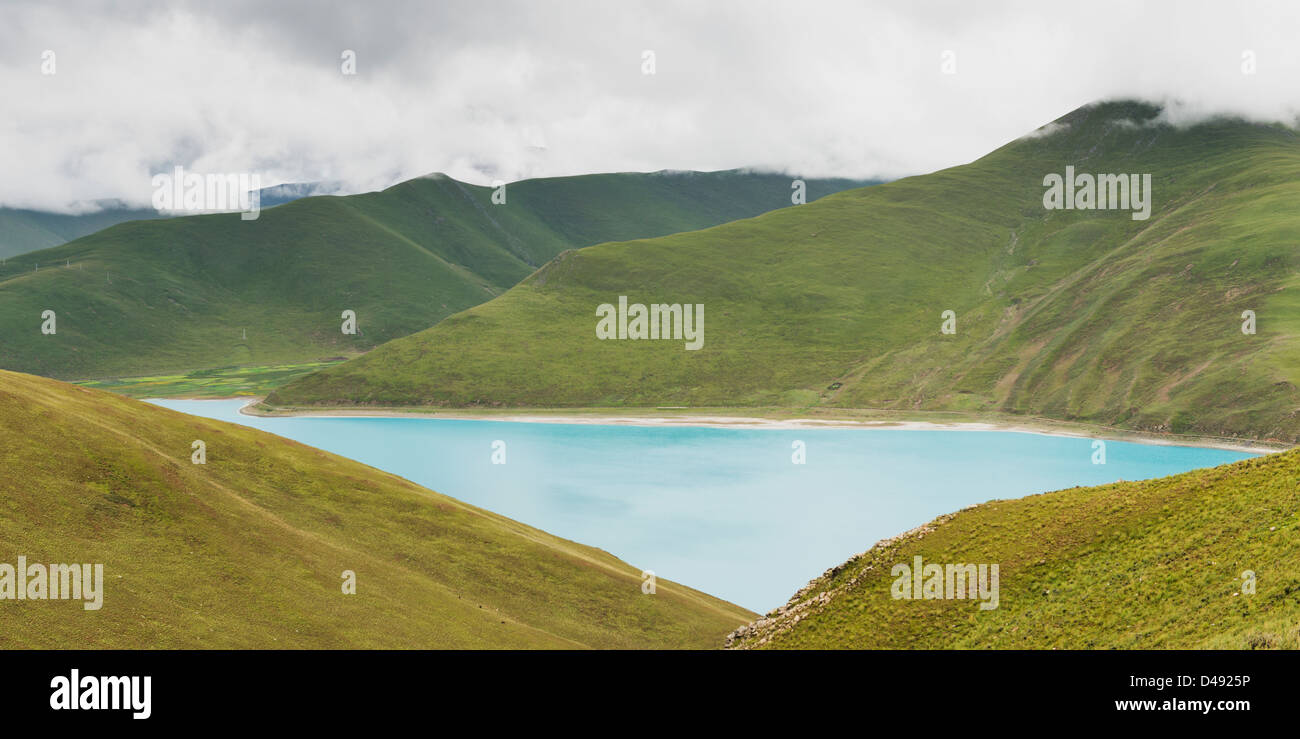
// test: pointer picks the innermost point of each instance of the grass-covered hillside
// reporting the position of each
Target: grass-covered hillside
(249, 549)
(1083, 315)
(1157, 564)
(208, 291)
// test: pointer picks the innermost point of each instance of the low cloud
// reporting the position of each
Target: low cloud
(486, 91)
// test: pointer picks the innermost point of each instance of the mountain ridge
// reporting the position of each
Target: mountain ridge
(205, 291)
(841, 302)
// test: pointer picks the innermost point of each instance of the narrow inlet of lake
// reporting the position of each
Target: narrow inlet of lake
(723, 510)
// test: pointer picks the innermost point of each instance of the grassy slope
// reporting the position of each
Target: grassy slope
(1078, 315)
(1133, 565)
(181, 294)
(247, 550)
(217, 382)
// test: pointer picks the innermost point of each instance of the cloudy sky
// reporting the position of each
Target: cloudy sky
(488, 90)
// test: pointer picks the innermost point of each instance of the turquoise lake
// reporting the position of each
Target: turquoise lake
(721, 510)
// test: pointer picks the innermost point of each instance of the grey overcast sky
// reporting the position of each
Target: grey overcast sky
(488, 90)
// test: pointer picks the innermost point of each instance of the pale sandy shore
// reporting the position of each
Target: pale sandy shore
(602, 418)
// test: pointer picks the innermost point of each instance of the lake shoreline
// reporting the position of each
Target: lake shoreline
(738, 418)
(689, 503)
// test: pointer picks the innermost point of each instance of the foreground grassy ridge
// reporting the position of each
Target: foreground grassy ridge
(1134, 565)
(182, 294)
(247, 550)
(1076, 315)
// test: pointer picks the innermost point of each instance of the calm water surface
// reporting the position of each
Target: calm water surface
(721, 510)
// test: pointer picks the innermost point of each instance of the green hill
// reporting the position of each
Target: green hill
(1158, 564)
(249, 549)
(207, 291)
(1085, 315)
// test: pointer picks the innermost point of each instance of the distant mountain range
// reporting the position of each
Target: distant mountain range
(208, 291)
(23, 230)
(961, 290)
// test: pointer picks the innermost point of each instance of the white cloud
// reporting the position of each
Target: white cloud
(511, 90)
